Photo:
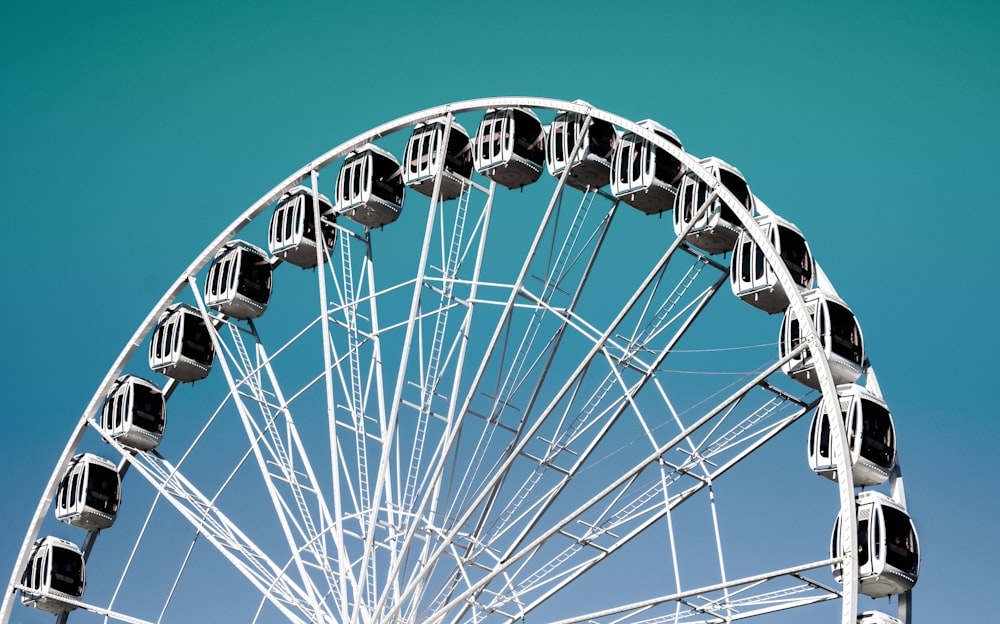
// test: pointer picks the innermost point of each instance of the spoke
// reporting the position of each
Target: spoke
(314, 538)
(220, 531)
(625, 480)
(254, 435)
(432, 484)
(489, 487)
(321, 257)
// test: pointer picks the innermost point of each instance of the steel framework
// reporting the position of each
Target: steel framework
(495, 421)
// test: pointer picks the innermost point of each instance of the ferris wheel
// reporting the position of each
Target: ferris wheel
(555, 369)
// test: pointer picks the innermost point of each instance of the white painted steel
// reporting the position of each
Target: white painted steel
(498, 582)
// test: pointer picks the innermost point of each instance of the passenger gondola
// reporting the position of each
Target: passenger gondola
(754, 280)
(591, 163)
(135, 413)
(840, 338)
(181, 346)
(870, 434)
(888, 551)
(423, 159)
(717, 229)
(239, 281)
(292, 233)
(89, 493)
(54, 576)
(370, 187)
(643, 175)
(510, 147)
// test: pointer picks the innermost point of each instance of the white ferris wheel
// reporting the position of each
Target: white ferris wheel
(551, 368)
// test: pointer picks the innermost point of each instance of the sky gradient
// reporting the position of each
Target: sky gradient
(133, 132)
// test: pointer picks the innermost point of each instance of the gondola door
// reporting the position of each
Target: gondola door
(868, 548)
(753, 272)
(796, 334)
(366, 179)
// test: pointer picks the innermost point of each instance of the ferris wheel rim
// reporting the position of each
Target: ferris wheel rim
(827, 385)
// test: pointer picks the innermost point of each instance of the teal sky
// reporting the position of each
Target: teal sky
(132, 132)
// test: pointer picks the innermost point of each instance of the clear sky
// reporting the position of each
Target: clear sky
(131, 133)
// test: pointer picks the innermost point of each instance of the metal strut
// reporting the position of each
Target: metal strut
(432, 374)
(354, 364)
(314, 540)
(562, 442)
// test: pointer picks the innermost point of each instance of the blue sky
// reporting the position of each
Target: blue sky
(133, 133)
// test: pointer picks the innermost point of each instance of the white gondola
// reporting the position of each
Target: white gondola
(55, 575)
(135, 413)
(370, 187)
(839, 334)
(591, 164)
(870, 434)
(181, 346)
(643, 175)
(89, 493)
(239, 281)
(422, 163)
(875, 617)
(888, 551)
(510, 147)
(754, 280)
(292, 233)
(717, 229)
